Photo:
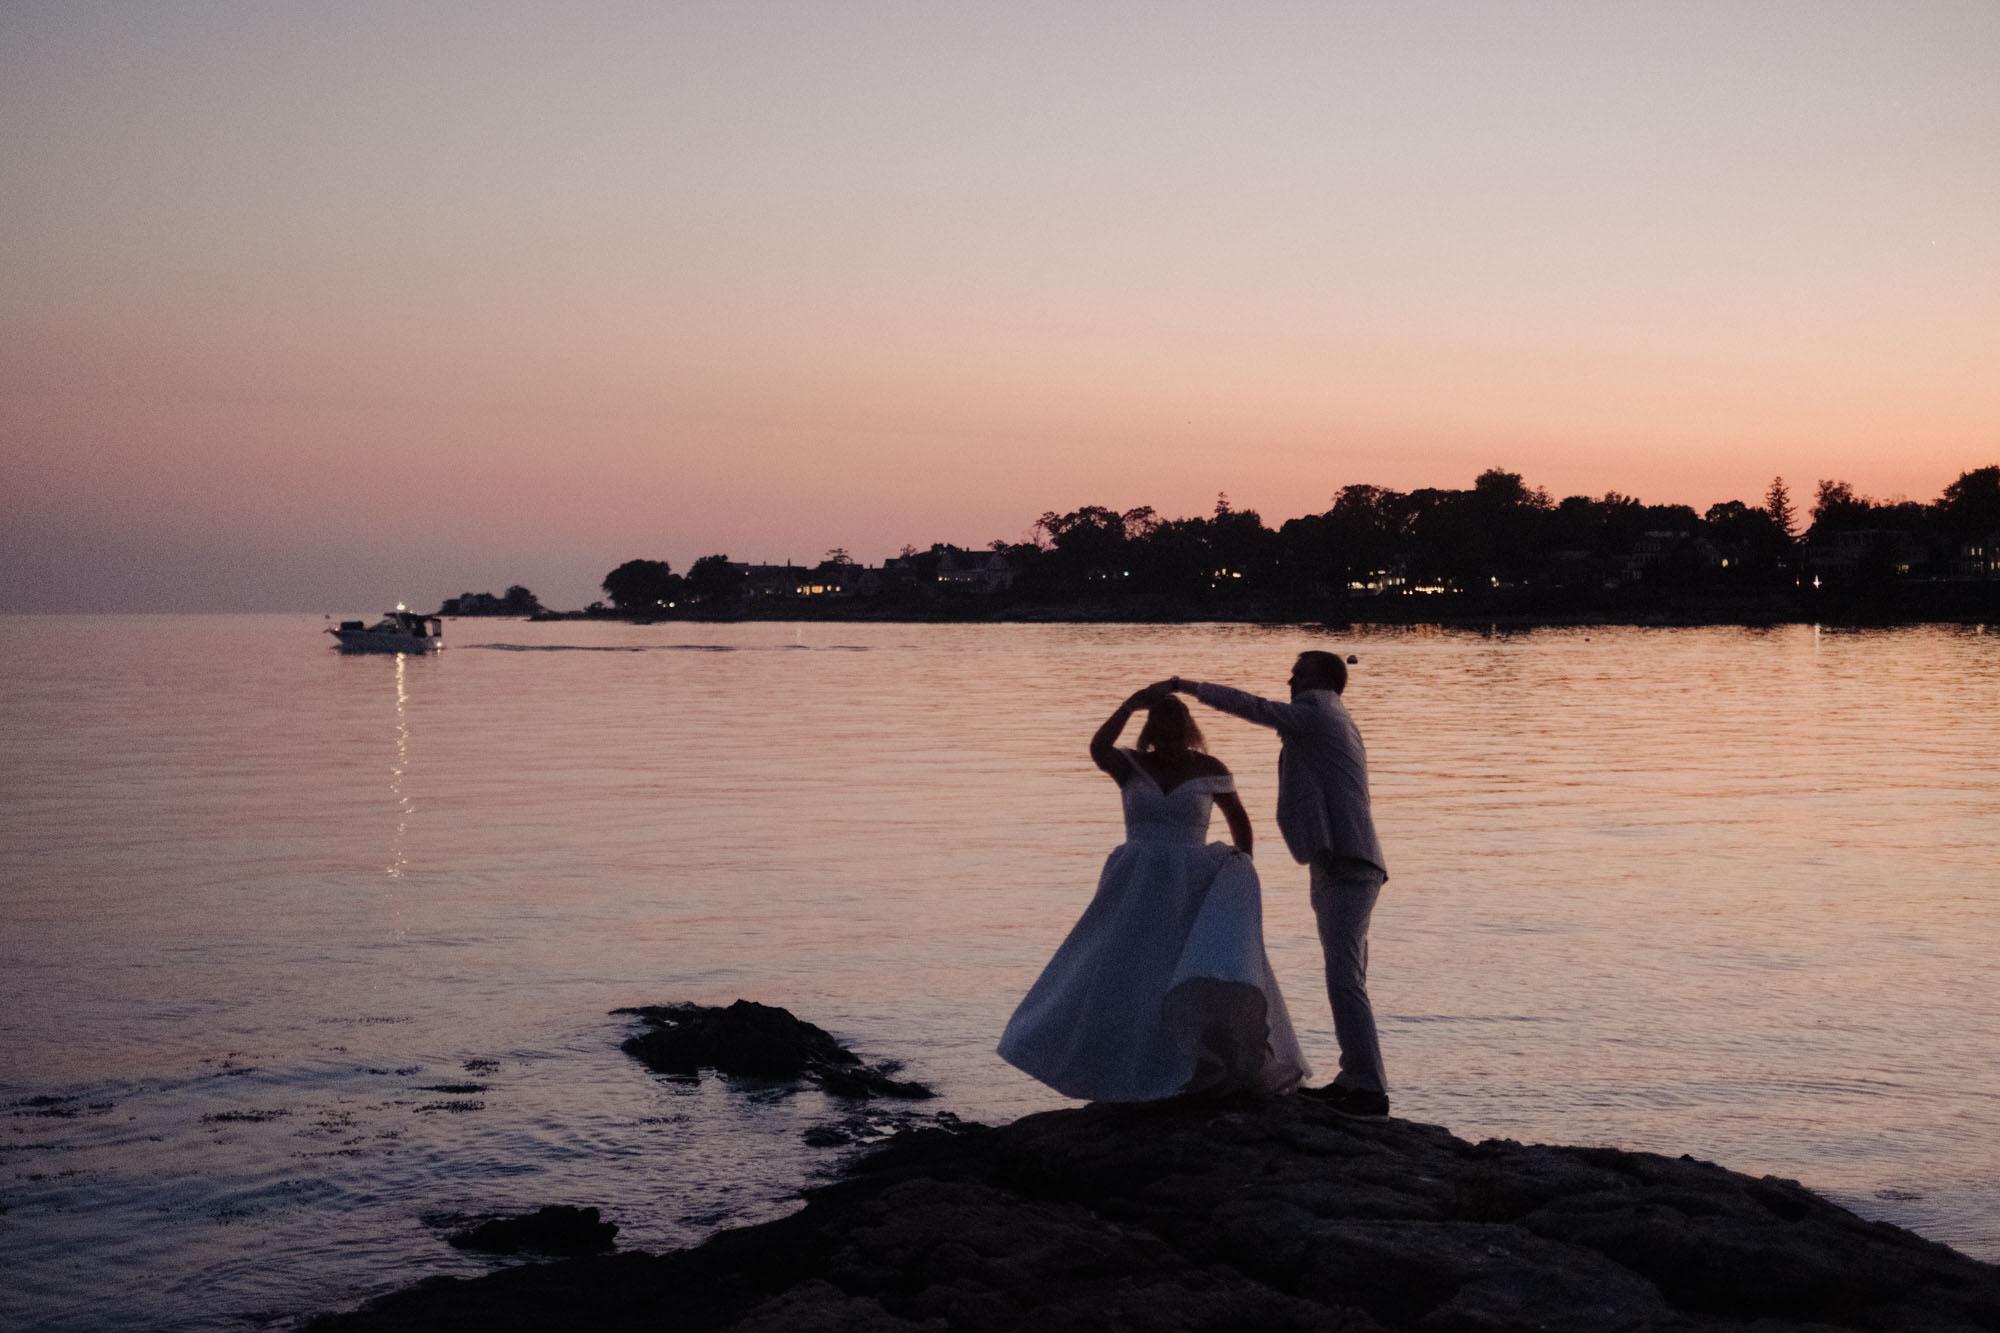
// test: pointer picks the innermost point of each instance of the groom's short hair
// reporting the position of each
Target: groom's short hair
(1328, 666)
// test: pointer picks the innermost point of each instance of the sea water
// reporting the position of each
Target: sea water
(301, 953)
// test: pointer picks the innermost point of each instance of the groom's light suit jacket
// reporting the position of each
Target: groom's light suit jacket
(1322, 771)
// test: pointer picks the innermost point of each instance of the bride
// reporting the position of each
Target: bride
(1163, 987)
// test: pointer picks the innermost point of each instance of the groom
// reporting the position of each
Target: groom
(1323, 813)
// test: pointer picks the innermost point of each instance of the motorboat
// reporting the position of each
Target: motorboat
(398, 631)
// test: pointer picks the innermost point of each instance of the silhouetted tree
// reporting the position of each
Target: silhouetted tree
(1747, 537)
(1089, 544)
(1502, 489)
(1575, 525)
(520, 601)
(1034, 575)
(1242, 552)
(714, 581)
(1778, 504)
(1361, 534)
(1174, 559)
(1902, 516)
(638, 585)
(1836, 508)
(1508, 526)
(1623, 521)
(1726, 514)
(1970, 506)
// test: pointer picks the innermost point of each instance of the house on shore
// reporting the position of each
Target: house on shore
(762, 581)
(1655, 551)
(982, 572)
(1867, 551)
(948, 568)
(1977, 558)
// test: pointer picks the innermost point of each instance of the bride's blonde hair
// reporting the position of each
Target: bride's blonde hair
(1169, 727)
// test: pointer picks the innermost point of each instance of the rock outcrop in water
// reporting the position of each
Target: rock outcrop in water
(1251, 1216)
(756, 1041)
(555, 1229)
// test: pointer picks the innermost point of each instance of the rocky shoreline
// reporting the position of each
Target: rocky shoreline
(1277, 1214)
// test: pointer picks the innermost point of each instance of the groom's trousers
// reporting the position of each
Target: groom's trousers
(1343, 898)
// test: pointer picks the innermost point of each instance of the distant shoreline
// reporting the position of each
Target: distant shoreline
(1750, 616)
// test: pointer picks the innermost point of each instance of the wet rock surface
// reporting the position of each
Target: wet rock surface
(556, 1229)
(1275, 1215)
(756, 1041)
(872, 1125)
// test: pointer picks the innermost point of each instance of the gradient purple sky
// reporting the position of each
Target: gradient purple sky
(318, 306)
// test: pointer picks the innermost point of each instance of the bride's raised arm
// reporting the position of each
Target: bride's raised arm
(1104, 744)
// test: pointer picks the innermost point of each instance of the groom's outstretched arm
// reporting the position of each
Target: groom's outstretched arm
(1250, 707)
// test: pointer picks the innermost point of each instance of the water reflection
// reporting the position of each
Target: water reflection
(1742, 882)
(398, 844)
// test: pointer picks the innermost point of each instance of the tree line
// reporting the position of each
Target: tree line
(1497, 534)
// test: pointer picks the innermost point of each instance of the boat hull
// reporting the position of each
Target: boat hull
(368, 641)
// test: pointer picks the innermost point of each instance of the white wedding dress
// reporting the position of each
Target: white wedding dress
(1163, 986)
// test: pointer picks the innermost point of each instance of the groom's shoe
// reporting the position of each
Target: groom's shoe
(1352, 1101)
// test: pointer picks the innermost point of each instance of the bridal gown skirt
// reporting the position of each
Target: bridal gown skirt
(1163, 987)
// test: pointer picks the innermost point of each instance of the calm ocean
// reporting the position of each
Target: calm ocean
(297, 948)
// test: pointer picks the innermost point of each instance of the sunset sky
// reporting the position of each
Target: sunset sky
(316, 306)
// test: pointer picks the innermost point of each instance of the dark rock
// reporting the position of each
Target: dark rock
(1247, 1215)
(858, 1081)
(555, 1229)
(872, 1124)
(828, 1136)
(756, 1041)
